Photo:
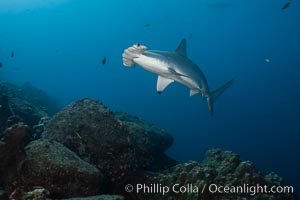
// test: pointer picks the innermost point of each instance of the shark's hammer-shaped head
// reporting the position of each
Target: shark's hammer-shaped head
(131, 53)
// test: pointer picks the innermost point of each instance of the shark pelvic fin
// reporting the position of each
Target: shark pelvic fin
(181, 49)
(193, 92)
(162, 83)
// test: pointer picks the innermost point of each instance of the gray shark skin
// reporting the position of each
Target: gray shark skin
(173, 66)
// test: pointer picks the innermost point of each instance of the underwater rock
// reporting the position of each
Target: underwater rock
(39, 98)
(29, 103)
(3, 194)
(27, 111)
(160, 162)
(38, 129)
(30, 94)
(37, 194)
(222, 168)
(11, 152)
(99, 197)
(13, 102)
(52, 166)
(88, 128)
(4, 111)
(149, 139)
(146, 135)
(12, 120)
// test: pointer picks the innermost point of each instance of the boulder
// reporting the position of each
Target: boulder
(146, 135)
(52, 166)
(89, 129)
(149, 139)
(12, 152)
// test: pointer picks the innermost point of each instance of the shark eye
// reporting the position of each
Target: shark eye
(138, 44)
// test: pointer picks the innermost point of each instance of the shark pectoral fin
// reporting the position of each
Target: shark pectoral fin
(181, 49)
(193, 92)
(162, 83)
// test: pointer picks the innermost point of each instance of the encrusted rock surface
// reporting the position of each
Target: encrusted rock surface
(150, 140)
(27, 111)
(146, 135)
(11, 152)
(30, 94)
(13, 101)
(59, 170)
(222, 168)
(4, 111)
(37, 194)
(88, 128)
(99, 197)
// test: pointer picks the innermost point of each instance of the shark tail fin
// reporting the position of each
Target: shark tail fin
(215, 94)
(131, 53)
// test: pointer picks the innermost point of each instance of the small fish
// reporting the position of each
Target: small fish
(147, 25)
(104, 60)
(12, 54)
(1, 65)
(286, 5)
(267, 60)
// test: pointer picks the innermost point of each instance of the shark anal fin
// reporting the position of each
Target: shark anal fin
(162, 83)
(193, 92)
(181, 49)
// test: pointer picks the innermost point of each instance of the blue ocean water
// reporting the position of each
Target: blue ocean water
(59, 46)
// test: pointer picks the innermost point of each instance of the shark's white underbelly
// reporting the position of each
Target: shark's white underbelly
(153, 65)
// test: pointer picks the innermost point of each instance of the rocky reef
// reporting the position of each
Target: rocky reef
(86, 151)
(27, 102)
(219, 168)
(61, 171)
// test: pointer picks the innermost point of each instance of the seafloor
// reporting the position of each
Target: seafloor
(86, 151)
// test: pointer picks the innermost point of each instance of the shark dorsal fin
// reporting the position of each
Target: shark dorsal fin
(181, 49)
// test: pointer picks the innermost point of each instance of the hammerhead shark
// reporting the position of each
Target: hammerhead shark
(173, 66)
